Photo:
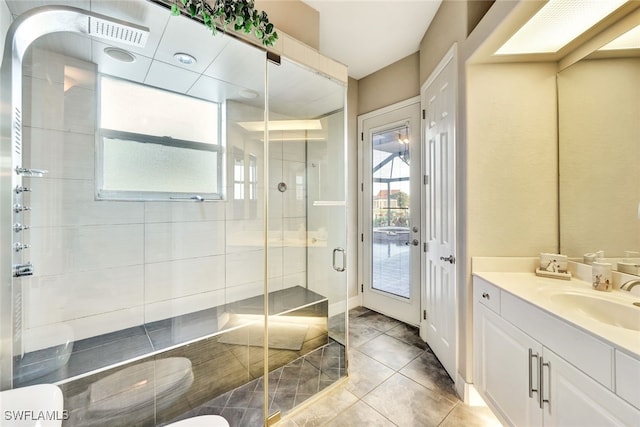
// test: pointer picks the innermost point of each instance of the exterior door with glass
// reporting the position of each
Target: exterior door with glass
(390, 202)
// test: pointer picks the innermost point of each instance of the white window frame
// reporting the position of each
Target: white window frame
(137, 195)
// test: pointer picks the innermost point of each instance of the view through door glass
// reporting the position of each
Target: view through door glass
(391, 233)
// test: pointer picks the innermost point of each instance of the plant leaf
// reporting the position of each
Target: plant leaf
(175, 11)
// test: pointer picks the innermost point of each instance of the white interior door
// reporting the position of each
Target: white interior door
(390, 222)
(438, 326)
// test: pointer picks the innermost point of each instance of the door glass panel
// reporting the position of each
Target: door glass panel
(307, 234)
(391, 254)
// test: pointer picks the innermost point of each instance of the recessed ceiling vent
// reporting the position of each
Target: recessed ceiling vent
(126, 33)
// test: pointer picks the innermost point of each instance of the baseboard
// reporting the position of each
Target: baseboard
(355, 302)
(468, 393)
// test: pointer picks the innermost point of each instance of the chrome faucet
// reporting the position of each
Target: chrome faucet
(627, 286)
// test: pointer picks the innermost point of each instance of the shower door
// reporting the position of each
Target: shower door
(307, 234)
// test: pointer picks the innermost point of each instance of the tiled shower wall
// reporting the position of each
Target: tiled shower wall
(102, 266)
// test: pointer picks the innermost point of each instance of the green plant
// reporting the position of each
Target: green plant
(239, 13)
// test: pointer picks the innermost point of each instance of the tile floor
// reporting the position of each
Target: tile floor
(395, 380)
(289, 386)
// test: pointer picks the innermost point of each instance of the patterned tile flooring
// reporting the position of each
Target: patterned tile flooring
(289, 386)
(395, 380)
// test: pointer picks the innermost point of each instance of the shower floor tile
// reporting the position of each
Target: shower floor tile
(289, 386)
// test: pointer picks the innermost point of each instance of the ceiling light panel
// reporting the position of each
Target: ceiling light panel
(556, 24)
(282, 125)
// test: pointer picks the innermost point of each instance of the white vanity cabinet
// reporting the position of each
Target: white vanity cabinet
(524, 380)
(502, 371)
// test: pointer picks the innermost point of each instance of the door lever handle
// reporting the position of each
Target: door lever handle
(451, 259)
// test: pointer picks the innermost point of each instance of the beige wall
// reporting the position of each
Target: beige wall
(448, 26)
(508, 176)
(512, 170)
(476, 9)
(295, 18)
(394, 83)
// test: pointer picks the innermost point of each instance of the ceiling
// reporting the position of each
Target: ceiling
(367, 35)
(226, 68)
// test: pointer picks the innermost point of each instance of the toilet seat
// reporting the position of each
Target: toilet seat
(201, 421)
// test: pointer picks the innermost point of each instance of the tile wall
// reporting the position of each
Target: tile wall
(102, 266)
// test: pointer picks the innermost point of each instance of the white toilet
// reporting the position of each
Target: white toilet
(33, 406)
(201, 421)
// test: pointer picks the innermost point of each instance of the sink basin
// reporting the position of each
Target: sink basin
(34, 406)
(618, 313)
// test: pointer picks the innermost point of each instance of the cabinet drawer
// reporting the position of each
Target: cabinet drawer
(628, 378)
(486, 294)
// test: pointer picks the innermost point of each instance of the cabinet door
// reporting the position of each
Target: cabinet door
(503, 370)
(577, 400)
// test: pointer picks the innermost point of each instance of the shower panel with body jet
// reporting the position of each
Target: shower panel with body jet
(24, 31)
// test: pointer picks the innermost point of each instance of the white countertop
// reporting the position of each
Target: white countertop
(542, 292)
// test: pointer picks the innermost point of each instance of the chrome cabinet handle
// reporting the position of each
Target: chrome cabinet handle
(344, 259)
(541, 365)
(531, 389)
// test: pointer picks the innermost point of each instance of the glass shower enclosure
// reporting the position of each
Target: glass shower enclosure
(172, 218)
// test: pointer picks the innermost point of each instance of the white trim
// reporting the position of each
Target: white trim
(362, 223)
(468, 392)
(451, 54)
(387, 109)
(355, 301)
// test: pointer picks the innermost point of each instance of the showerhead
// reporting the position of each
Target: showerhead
(119, 31)
(50, 19)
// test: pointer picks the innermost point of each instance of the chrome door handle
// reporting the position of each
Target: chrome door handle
(344, 259)
(451, 259)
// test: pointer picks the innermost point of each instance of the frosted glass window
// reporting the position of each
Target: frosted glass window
(157, 145)
(238, 179)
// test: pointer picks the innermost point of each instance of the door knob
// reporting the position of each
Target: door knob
(414, 242)
(451, 259)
